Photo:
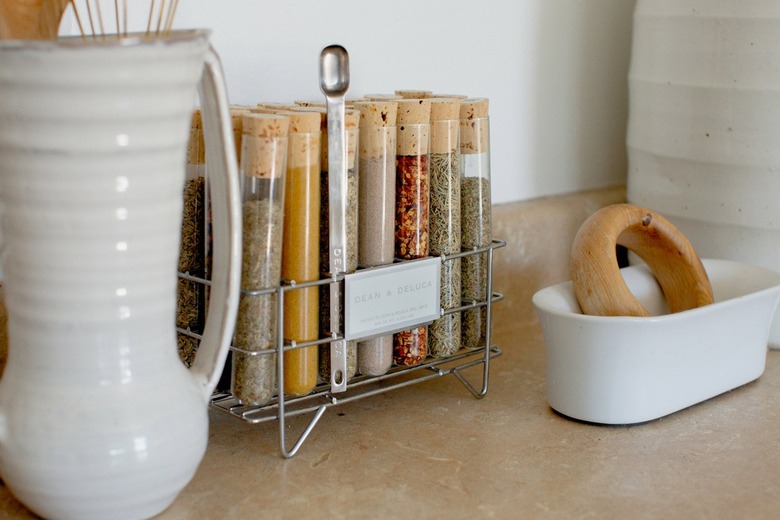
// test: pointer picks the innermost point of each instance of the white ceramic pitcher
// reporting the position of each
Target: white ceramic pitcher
(98, 416)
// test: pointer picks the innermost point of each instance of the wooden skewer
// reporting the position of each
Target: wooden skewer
(149, 23)
(116, 12)
(160, 17)
(171, 15)
(78, 18)
(91, 20)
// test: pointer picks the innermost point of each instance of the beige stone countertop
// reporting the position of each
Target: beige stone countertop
(433, 451)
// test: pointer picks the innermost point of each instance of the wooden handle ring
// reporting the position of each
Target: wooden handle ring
(598, 285)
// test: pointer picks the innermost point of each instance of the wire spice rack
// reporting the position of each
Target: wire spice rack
(322, 398)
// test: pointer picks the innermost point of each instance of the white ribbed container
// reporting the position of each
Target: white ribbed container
(704, 124)
(98, 416)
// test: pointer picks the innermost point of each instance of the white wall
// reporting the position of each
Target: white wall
(554, 70)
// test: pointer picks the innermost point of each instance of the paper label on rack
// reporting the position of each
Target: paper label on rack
(391, 298)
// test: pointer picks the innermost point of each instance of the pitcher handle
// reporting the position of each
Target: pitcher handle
(223, 182)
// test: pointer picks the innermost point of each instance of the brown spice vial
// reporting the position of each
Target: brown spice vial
(376, 203)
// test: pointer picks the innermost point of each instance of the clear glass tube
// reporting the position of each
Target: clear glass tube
(300, 250)
(445, 234)
(412, 211)
(351, 262)
(263, 164)
(476, 220)
(190, 305)
(376, 220)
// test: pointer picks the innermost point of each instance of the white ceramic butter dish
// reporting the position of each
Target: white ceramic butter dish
(624, 370)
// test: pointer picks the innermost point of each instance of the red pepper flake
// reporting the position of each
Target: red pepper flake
(410, 346)
(412, 206)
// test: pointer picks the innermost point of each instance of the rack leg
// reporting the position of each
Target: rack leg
(302, 438)
(479, 394)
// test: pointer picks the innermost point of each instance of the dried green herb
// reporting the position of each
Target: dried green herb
(475, 212)
(445, 332)
(191, 242)
(476, 232)
(445, 206)
(187, 304)
(254, 376)
(445, 216)
(188, 347)
(189, 298)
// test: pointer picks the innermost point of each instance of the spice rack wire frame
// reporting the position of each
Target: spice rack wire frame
(317, 402)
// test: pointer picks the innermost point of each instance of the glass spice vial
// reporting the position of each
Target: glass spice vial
(412, 189)
(445, 235)
(351, 122)
(376, 207)
(190, 294)
(376, 184)
(476, 221)
(412, 198)
(236, 122)
(263, 163)
(300, 250)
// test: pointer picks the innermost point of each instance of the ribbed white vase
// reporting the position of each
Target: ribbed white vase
(704, 124)
(98, 416)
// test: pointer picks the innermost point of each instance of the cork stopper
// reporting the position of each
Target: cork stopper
(445, 109)
(265, 154)
(473, 108)
(474, 126)
(382, 97)
(196, 147)
(274, 106)
(414, 94)
(302, 152)
(321, 111)
(376, 118)
(323, 115)
(351, 122)
(451, 96)
(445, 125)
(377, 113)
(413, 122)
